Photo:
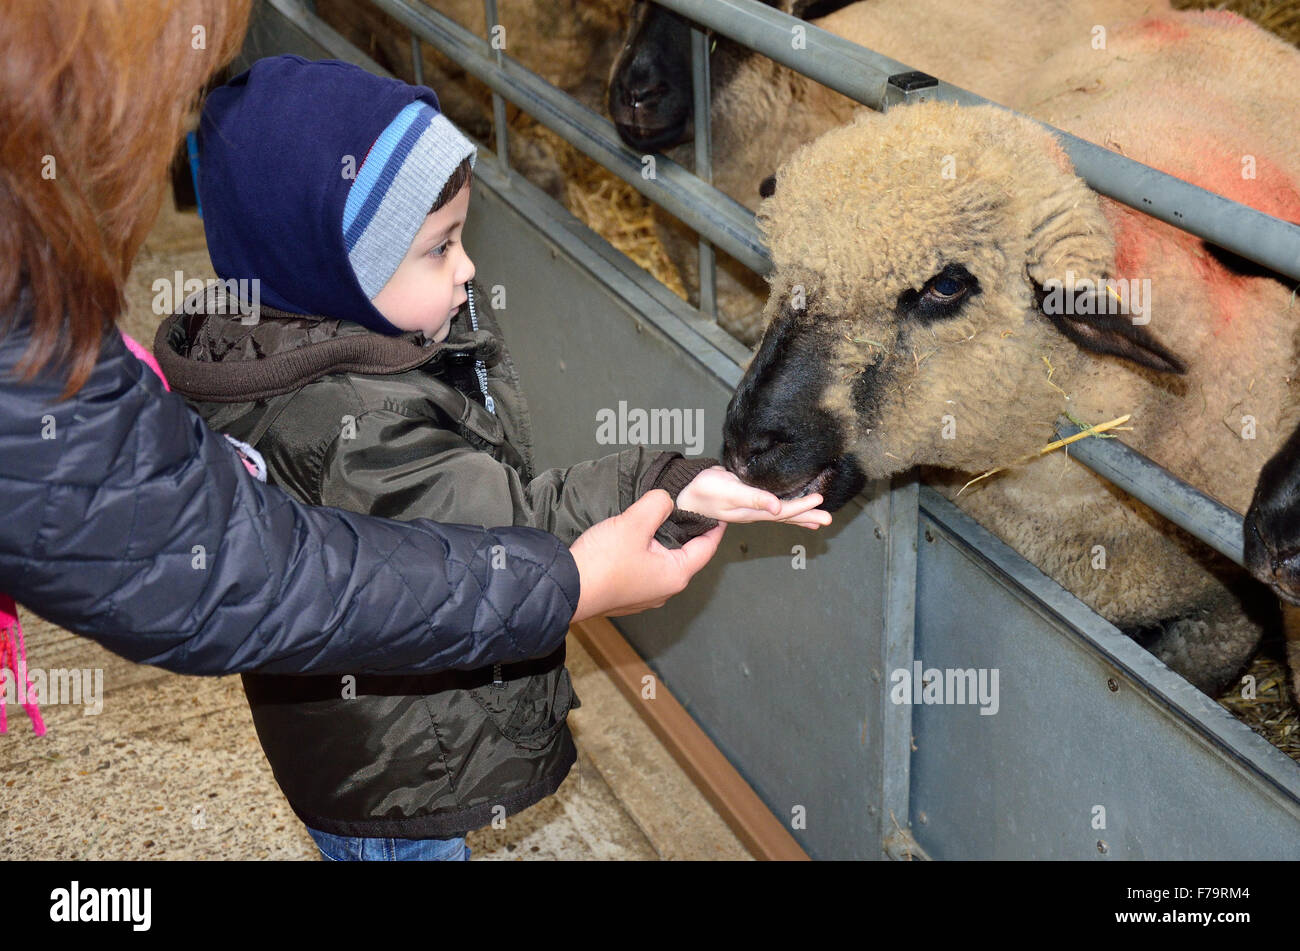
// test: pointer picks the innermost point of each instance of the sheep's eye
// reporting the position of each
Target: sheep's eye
(941, 297)
(944, 288)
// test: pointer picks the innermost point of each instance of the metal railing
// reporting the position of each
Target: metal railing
(864, 76)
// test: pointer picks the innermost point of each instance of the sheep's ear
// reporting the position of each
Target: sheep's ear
(1069, 239)
(767, 187)
(1067, 232)
(1114, 334)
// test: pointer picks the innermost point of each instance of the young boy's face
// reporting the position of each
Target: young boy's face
(428, 286)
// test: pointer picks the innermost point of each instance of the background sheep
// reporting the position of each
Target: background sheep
(650, 89)
(1272, 532)
(762, 111)
(906, 323)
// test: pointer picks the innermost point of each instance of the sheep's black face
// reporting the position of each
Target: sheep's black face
(1272, 525)
(651, 100)
(650, 85)
(775, 435)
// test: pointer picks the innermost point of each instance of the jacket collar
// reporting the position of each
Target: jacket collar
(209, 350)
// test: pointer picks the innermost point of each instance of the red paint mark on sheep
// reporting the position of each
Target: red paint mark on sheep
(1163, 31)
(1217, 166)
(1143, 244)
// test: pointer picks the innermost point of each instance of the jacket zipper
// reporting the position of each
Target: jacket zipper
(480, 368)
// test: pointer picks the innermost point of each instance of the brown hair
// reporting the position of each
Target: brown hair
(461, 176)
(93, 94)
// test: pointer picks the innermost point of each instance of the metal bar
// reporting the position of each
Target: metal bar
(499, 125)
(897, 651)
(297, 13)
(1158, 685)
(417, 61)
(704, 160)
(728, 224)
(862, 75)
(1186, 506)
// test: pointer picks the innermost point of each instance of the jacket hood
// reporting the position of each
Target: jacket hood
(276, 144)
(211, 351)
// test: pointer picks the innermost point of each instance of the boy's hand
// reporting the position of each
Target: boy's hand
(719, 493)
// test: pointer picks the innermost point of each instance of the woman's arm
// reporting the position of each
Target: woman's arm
(403, 467)
(129, 521)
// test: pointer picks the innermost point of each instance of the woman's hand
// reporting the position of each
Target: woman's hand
(719, 493)
(623, 570)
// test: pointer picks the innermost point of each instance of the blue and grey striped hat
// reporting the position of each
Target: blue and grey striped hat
(315, 177)
(395, 189)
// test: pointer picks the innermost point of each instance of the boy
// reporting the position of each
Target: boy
(372, 380)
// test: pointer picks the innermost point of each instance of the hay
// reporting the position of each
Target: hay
(1097, 431)
(614, 210)
(1272, 713)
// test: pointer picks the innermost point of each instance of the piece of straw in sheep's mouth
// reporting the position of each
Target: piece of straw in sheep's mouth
(816, 484)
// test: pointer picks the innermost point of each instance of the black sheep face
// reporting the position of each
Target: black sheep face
(650, 95)
(813, 410)
(776, 435)
(1272, 527)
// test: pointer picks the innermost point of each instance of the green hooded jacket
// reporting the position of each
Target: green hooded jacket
(397, 426)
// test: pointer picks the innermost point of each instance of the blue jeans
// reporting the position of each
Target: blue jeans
(346, 848)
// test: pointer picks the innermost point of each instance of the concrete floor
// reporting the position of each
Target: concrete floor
(171, 767)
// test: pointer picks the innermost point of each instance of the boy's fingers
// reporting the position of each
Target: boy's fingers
(799, 506)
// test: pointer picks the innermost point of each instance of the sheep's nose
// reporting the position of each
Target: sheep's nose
(1284, 565)
(741, 457)
(644, 94)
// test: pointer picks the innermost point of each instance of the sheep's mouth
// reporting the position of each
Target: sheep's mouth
(817, 483)
(653, 138)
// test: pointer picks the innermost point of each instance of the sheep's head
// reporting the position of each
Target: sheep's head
(912, 319)
(1272, 526)
(649, 92)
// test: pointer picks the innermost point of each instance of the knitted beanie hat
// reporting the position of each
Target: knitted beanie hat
(315, 178)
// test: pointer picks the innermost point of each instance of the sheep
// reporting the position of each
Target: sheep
(762, 111)
(1272, 543)
(650, 95)
(916, 319)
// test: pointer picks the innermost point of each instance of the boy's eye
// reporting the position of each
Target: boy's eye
(440, 250)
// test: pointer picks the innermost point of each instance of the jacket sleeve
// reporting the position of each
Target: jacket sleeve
(131, 522)
(403, 466)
